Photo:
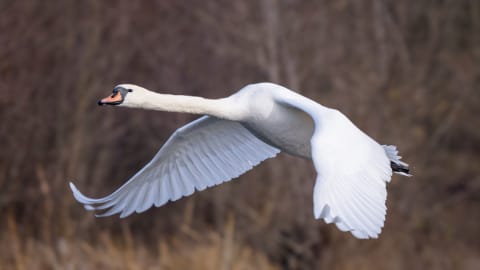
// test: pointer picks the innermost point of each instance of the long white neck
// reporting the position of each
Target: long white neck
(222, 108)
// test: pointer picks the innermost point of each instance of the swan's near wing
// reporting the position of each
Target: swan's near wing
(201, 154)
(352, 171)
(350, 189)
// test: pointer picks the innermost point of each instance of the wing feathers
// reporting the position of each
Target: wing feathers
(204, 153)
(352, 169)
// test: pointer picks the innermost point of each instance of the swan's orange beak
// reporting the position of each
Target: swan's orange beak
(113, 99)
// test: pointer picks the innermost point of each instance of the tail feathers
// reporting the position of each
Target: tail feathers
(398, 167)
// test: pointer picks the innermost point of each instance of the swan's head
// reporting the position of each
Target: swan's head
(128, 95)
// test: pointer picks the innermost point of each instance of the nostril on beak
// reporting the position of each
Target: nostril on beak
(100, 103)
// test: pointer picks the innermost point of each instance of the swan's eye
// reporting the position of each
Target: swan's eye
(130, 90)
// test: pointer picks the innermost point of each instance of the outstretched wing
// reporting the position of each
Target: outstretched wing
(201, 154)
(352, 171)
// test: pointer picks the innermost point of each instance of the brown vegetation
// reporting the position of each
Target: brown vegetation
(406, 72)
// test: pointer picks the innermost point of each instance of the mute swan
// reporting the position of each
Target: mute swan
(242, 130)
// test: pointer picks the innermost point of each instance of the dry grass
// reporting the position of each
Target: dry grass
(188, 250)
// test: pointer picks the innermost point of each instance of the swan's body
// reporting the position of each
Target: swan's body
(246, 128)
(287, 128)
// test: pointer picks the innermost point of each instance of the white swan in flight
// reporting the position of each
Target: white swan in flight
(240, 131)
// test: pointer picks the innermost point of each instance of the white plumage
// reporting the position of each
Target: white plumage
(246, 128)
(204, 153)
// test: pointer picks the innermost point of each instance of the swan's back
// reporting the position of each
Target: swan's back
(285, 127)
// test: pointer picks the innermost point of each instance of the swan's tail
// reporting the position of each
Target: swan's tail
(398, 166)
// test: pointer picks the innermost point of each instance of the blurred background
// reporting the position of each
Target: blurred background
(406, 72)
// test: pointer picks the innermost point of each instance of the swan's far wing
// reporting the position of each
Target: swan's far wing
(352, 171)
(201, 154)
